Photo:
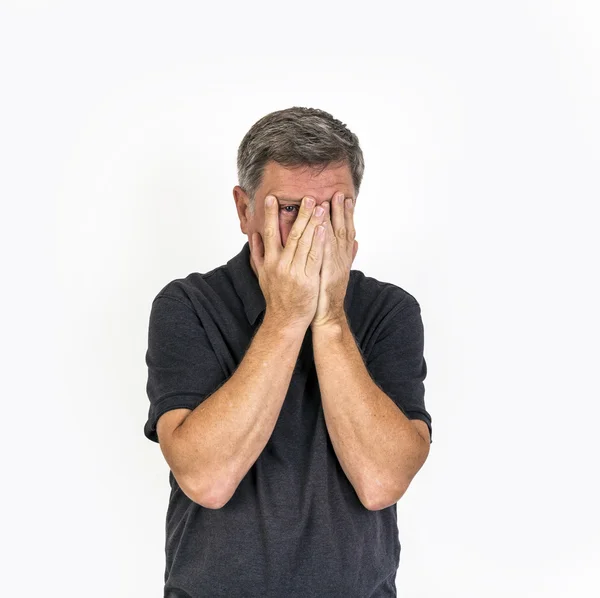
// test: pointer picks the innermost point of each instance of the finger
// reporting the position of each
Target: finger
(337, 217)
(315, 255)
(329, 233)
(295, 235)
(257, 250)
(271, 236)
(349, 224)
(330, 240)
(306, 240)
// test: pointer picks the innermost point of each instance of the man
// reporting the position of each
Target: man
(286, 389)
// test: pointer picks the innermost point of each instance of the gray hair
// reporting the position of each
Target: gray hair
(294, 137)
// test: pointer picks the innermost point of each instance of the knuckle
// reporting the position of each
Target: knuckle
(269, 232)
(295, 233)
(304, 241)
(341, 232)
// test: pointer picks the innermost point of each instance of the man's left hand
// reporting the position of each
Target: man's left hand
(340, 251)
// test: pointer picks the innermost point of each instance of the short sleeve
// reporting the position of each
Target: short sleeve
(396, 361)
(183, 369)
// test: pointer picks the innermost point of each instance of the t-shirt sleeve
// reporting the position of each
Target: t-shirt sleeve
(183, 369)
(396, 361)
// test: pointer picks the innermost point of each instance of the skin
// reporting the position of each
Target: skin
(289, 186)
(356, 409)
(211, 448)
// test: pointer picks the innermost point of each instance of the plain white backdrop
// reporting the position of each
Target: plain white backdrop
(479, 123)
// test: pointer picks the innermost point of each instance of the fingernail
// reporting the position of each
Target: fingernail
(310, 202)
(340, 197)
(269, 200)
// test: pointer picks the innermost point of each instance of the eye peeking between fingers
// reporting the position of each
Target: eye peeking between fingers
(290, 213)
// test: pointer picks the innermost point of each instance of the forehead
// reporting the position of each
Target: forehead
(292, 183)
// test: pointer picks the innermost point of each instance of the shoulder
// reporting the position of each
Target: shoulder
(196, 287)
(370, 295)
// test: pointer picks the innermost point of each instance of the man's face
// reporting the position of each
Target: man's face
(289, 186)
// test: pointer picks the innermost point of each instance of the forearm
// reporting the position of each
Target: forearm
(376, 444)
(222, 438)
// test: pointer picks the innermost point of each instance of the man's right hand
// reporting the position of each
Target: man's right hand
(290, 276)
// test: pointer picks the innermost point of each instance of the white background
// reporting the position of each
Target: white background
(479, 122)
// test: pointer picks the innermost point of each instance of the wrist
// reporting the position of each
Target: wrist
(284, 326)
(331, 326)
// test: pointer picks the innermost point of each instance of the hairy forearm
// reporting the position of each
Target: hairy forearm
(222, 438)
(377, 446)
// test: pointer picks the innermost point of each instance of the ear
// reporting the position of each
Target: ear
(354, 250)
(242, 204)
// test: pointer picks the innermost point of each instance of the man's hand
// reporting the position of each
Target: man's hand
(289, 276)
(339, 253)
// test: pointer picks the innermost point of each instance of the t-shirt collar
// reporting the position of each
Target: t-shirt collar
(246, 284)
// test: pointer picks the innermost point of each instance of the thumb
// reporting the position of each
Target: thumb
(257, 250)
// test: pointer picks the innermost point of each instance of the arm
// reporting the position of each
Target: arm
(217, 443)
(213, 448)
(378, 447)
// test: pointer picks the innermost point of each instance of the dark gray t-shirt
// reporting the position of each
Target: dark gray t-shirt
(295, 527)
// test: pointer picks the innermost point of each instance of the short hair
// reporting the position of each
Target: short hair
(294, 137)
